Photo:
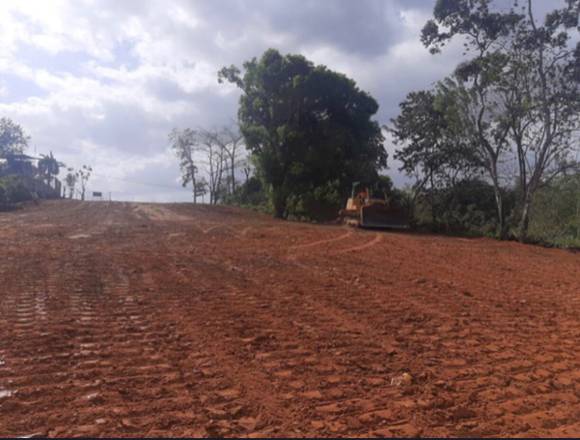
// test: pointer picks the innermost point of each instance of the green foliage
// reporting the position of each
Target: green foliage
(20, 179)
(467, 17)
(13, 140)
(306, 126)
(251, 193)
(383, 186)
(518, 95)
(48, 167)
(467, 208)
(71, 180)
(556, 213)
(430, 148)
(320, 203)
(83, 175)
(13, 190)
(184, 144)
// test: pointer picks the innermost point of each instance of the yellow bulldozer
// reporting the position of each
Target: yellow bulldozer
(373, 210)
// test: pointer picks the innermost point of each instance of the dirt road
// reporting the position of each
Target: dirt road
(172, 320)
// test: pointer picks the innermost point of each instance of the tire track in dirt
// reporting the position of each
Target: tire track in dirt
(278, 350)
(166, 214)
(356, 280)
(263, 313)
(378, 238)
(189, 335)
(226, 410)
(213, 334)
(229, 397)
(255, 318)
(93, 360)
(475, 341)
(341, 237)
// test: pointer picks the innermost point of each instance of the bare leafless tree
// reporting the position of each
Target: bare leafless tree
(186, 143)
(214, 160)
(83, 175)
(216, 153)
(247, 168)
(71, 180)
(229, 140)
(233, 146)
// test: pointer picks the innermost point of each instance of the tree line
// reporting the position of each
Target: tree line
(21, 175)
(492, 148)
(209, 160)
(509, 113)
(483, 146)
(308, 133)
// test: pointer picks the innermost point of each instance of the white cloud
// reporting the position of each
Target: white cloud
(112, 78)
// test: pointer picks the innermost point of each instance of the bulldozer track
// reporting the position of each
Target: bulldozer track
(173, 320)
(376, 240)
(341, 237)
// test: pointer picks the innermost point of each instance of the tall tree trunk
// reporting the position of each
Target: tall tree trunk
(279, 202)
(193, 181)
(233, 172)
(502, 230)
(434, 222)
(525, 220)
(527, 206)
(219, 177)
(501, 222)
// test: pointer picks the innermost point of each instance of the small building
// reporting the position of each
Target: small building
(18, 163)
(26, 168)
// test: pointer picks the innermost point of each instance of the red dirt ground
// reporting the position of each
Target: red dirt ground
(172, 320)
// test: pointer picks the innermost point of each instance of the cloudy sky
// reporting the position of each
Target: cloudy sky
(102, 82)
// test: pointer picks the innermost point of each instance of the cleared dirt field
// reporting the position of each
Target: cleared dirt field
(172, 320)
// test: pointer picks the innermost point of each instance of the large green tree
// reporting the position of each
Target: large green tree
(306, 125)
(12, 138)
(542, 98)
(48, 167)
(429, 151)
(518, 95)
(185, 143)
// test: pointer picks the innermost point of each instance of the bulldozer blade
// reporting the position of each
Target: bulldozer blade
(381, 216)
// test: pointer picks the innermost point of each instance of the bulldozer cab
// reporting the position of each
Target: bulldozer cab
(366, 194)
(373, 209)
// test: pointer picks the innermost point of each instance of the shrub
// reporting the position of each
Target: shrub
(555, 217)
(467, 208)
(320, 203)
(250, 194)
(13, 189)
